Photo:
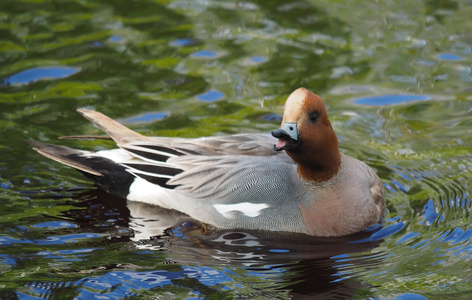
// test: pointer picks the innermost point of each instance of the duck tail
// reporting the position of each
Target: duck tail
(118, 132)
(107, 174)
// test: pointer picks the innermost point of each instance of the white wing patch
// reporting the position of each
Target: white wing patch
(248, 209)
(143, 191)
(116, 155)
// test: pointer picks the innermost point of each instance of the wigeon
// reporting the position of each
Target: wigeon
(302, 184)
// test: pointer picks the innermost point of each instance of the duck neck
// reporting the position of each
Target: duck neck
(319, 165)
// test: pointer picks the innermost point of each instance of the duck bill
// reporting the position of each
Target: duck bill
(287, 135)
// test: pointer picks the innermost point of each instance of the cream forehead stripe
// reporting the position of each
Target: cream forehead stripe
(247, 208)
(294, 104)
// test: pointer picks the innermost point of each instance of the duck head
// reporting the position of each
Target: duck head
(307, 136)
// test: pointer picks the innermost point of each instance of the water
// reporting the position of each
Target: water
(396, 77)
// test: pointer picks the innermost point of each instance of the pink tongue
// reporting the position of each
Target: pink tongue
(280, 144)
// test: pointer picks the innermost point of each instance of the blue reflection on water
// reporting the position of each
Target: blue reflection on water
(408, 296)
(56, 224)
(115, 39)
(382, 233)
(403, 175)
(115, 285)
(7, 241)
(147, 117)
(75, 251)
(211, 96)
(204, 54)
(63, 239)
(400, 186)
(258, 59)
(35, 74)
(6, 185)
(430, 213)
(449, 56)
(279, 250)
(183, 42)
(271, 117)
(390, 99)
(458, 235)
(388, 187)
(6, 259)
(407, 237)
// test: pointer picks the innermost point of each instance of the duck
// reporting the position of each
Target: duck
(294, 179)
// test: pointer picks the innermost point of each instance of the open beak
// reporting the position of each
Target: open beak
(287, 135)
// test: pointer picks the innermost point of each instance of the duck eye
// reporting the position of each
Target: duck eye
(313, 117)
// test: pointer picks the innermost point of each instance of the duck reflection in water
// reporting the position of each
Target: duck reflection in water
(305, 266)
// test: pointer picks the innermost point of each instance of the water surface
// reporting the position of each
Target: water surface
(396, 77)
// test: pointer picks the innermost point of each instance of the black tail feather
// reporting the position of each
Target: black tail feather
(107, 174)
(115, 180)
